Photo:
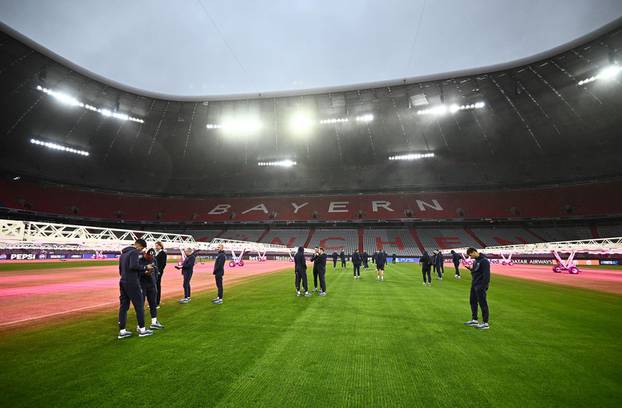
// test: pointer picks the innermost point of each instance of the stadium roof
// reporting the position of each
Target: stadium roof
(554, 120)
(200, 49)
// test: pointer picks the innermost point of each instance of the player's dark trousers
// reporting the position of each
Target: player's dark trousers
(334, 264)
(357, 270)
(130, 292)
(315, 276)
(219, 285)
(151, 293)
(301, 276)
(343, 264)
(427, 275)
(438, 271)
(187, 278)
(159, 286)
(365, 265)
(478, 297)
(457, 266)
(322, 276)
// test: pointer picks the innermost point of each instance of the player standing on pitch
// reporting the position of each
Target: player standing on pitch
(219, 272)
(187, 269)
(130, 290)
(300, 265)
(149, 285)
(480, 280)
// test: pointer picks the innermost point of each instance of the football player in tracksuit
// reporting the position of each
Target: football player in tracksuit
(455, 258)
(187, 269)
(440, 268)
(426, 266)
(161, 259)
(149, 285)
(356, 263)
(365, 260)
(316, 252)
(335, 256)
(342, 255)
(320, 261)
(480, 280)
(219, 272)
(130, 290)
(300, 269)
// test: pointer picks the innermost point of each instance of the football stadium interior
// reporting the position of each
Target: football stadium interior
(510, 173)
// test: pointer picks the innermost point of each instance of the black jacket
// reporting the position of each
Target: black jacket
(320, 262)
(456, 258)
(381, 259)
(335, 256)
(161, 259)
(356, 258)
(130, 267)
(342, 255)
(188, 264)
(300, 263)
(438, 259)
(425, 260)
(480, 272)
(219, 264)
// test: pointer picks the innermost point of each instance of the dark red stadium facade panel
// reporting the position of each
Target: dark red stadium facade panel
(602, 199)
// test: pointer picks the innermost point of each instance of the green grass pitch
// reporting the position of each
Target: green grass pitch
(367, 344)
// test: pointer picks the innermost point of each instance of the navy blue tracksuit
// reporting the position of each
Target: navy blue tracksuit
(300, 265)
(129, 286)
(480, 280)
(161, 259)
(187, 269)
(356, 262)
(438, 264)
(320, 261)
(219, 272)
(342, 256)
(149, 285)
(315, 270)
(426, 266)
(335, 257)
(456, 258)
(365, 260)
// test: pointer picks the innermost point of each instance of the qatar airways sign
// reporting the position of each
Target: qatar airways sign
(322, 207)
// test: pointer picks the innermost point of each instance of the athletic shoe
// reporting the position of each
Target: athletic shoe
(144, 333)
(322, 294)
(158, 307)
(425, 284)
(217, 302)
(182, 301)
(156, 326)
(307, 294)
(472, 323)
(297, 293)
(483, 326)
(124, 335)
(315, 289)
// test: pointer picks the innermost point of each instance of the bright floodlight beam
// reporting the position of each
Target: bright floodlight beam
(453, 108)
(300, 123)
(411, 156)
(606, 74)
(56, 146)
(277, 163)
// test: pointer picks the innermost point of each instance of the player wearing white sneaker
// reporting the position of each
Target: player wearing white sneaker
(480, 273)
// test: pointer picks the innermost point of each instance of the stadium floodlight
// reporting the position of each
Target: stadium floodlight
(213, 126)
(238, 125)
(300, 122)
(55, 146)
(334, 120)
(277, 163)
(365, 118)
(607, 73)
(453, 108)
(67, 99)
(411, 156)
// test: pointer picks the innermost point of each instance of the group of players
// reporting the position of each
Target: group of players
(319, 259)
(141, 272)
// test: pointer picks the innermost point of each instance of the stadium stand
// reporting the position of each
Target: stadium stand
(398, 241)
(443, 238)
(609, 231)
(288, 237)
(562, 233)
(504, 236)
(243, 234)
(335, 240)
